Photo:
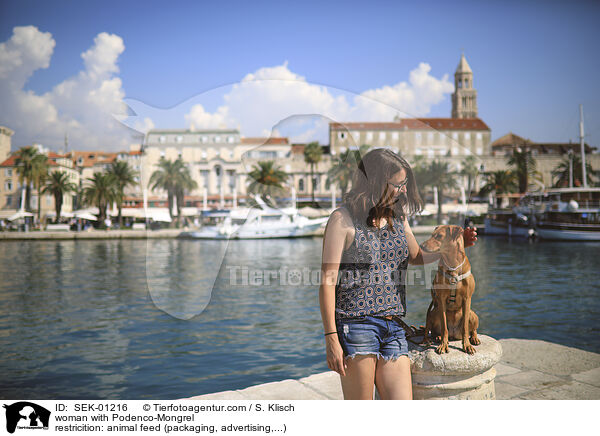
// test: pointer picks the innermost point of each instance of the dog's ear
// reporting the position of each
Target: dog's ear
(457, 232)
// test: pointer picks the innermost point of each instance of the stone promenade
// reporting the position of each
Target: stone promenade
(528, 370)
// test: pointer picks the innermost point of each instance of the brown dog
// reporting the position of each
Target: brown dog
(449, 315)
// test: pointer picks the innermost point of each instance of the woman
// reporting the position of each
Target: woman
(367, 247)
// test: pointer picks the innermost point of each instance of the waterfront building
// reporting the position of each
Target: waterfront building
(461, 135)
(11, 189)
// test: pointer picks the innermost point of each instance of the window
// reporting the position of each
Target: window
(162, 153)
(455, 136)
(315, 183)
(430, 137)
(217, 139)
(8, 186)
(179, 139)
(418, 137)
(479, 136)
(342, 135)
(8, 172)
(230, 139)
(467, 136)
(454, 151)
(356, 136)
(479, 150)
(301, 185)
(430, 152)
(460, 84)
(9, 200)
(204, 139)
(395, 135)
(418, 152)
(203, 154)
(231, 154)
(369, 136)
(162, 139)
(382, 136)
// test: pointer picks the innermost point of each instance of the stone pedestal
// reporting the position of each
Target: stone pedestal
(455, 375)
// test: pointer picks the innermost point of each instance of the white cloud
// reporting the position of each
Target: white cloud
(81, 106)
(271, 94)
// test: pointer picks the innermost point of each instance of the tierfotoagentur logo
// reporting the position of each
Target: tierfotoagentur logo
(26, 415)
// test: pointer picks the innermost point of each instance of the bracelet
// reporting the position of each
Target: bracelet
(330, 333)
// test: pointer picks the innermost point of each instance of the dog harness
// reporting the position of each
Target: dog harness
(454, 280)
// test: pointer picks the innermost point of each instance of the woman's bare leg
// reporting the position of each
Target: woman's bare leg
(392, 378)
(359, 380)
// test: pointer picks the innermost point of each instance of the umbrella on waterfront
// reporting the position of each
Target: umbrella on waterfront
(18, 215)
(86, 216)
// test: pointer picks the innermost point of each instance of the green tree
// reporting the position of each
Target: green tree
(124, 176)
(443, 179)
(39, 176)
(423, 176)
(24, 162)
(312, 156)
(58, 185)
(343, 167)
(561, 172)
(470, 169)
(100, 192)
(185, 183)
(525, 167)
(267, 181)
(499, 182)
(173, 177)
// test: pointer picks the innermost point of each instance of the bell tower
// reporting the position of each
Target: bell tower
(464, 98)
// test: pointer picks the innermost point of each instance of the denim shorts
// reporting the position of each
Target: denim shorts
(372, 335)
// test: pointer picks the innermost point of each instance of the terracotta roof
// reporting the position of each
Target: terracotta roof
(133, 153)
(9, 162)
(416, 124)
(90, 158)
(509, 139)
(270, 141)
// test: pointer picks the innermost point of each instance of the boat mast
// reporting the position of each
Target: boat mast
(584, 175)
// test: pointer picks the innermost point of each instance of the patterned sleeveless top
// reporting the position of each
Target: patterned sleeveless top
(371, 273)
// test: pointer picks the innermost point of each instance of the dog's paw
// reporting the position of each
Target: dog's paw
(442, 348)
(469, 349)
(475, 341)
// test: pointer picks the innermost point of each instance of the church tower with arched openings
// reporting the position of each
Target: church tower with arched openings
(464, 98)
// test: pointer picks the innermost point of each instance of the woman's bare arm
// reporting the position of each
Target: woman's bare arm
(333, 245)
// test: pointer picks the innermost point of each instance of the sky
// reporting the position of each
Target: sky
(89, 69)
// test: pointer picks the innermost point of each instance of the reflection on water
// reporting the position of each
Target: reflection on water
(137, 319)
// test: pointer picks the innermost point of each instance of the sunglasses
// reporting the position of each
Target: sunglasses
(402, 184)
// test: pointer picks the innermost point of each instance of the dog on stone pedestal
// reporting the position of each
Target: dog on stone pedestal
(449, 316)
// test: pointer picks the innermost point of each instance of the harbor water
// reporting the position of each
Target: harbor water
(174, 318)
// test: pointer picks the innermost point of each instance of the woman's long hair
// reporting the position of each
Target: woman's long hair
(372, 197)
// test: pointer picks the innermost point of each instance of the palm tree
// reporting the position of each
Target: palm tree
(101, 191)
(25, 167)
(267, 180)
(173, 177)
(422, 174)
(525, 167)
(58, 185)
(39, 176)
(185, 183)
(562, 172)
(470, 169)
(312, 156)
(500, 182)
(343, 167)
(124, 176)
(442, 178)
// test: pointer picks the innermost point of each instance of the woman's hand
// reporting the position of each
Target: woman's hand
(335, 355)
(470, 236)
